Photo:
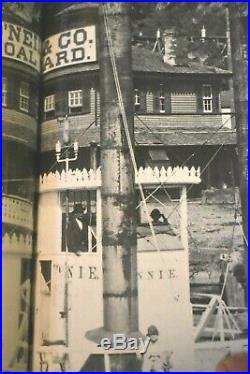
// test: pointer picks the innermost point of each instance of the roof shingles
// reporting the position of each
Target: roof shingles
(145, 61)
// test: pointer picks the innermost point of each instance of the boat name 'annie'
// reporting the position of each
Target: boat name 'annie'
(93, 273)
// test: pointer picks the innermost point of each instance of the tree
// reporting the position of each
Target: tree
(187, 19)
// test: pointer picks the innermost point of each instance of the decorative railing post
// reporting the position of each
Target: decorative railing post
(92, 179)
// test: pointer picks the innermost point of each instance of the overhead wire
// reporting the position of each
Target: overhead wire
(131, 150)
(236, 209)
(124, 120)
(157, 136)
(191, 156)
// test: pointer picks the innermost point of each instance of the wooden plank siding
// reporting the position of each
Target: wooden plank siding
(179, 97)
(200, 121)
(92, 100)
(98, 104)
(183, 102)
(149, 102)
(159, 124)
(13, 117)
(183, 97)
(19, 127)
(184, 121)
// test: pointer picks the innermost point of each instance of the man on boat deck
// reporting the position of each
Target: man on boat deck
(159, 219)
(77, 232)
(154, 359)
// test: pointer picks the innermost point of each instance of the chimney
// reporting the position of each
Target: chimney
(203, 34)
(169, 37)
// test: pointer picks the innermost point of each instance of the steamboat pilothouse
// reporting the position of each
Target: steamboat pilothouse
(163, 277)
(70, 309)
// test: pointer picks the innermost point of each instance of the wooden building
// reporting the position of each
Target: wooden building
(20, 102)
(181, 115)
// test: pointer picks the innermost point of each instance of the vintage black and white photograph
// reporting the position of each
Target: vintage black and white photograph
(124, 186)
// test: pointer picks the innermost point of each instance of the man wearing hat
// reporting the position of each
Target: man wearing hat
(159, 219)
(77, 232)
(154, 359)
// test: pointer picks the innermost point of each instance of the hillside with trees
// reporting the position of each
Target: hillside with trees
(187, 19)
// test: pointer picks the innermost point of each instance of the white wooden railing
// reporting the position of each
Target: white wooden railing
(92, 179)
(17, 211)
(21, 244)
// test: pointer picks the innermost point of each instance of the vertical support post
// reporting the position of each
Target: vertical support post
(229, 49)
(208, 177)
(66, 288)
(93, 155)
(240, 79)
(98, 220)
(107, 363)
(184, 217)
(118, 186)
(229, 63)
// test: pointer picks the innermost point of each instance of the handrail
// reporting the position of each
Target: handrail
(91, 179)
(17, 211)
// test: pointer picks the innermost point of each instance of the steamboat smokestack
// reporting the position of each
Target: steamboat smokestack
(118, 187)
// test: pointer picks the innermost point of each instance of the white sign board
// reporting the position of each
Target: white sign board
(71, 47)
(21, 44)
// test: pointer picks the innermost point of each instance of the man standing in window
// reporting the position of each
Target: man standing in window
(77, 232)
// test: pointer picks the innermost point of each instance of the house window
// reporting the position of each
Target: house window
(162, 100)
(162, 104)
(75, 99)
(207, 98)
(24, 97)
(49, 103)
(4, 92)
(137, 98)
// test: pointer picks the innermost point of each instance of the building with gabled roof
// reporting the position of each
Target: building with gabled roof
(178, 108)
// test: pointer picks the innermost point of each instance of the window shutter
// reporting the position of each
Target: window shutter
(12, 93)
(156, 102)
(199, 100)
(216, 100)
(143, 105)
(86, 100)
(33, 101)
(63, 232)
(167, 100)
(61, 103)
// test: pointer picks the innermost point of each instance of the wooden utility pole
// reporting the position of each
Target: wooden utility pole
(240, 79)
(118, 186)
(229, 57)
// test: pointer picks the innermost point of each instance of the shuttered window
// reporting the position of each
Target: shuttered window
(162, 99)
(79, 101)
(156, 102)
(61, 103)
(140, 104)
(207, 98)
(137, 97)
